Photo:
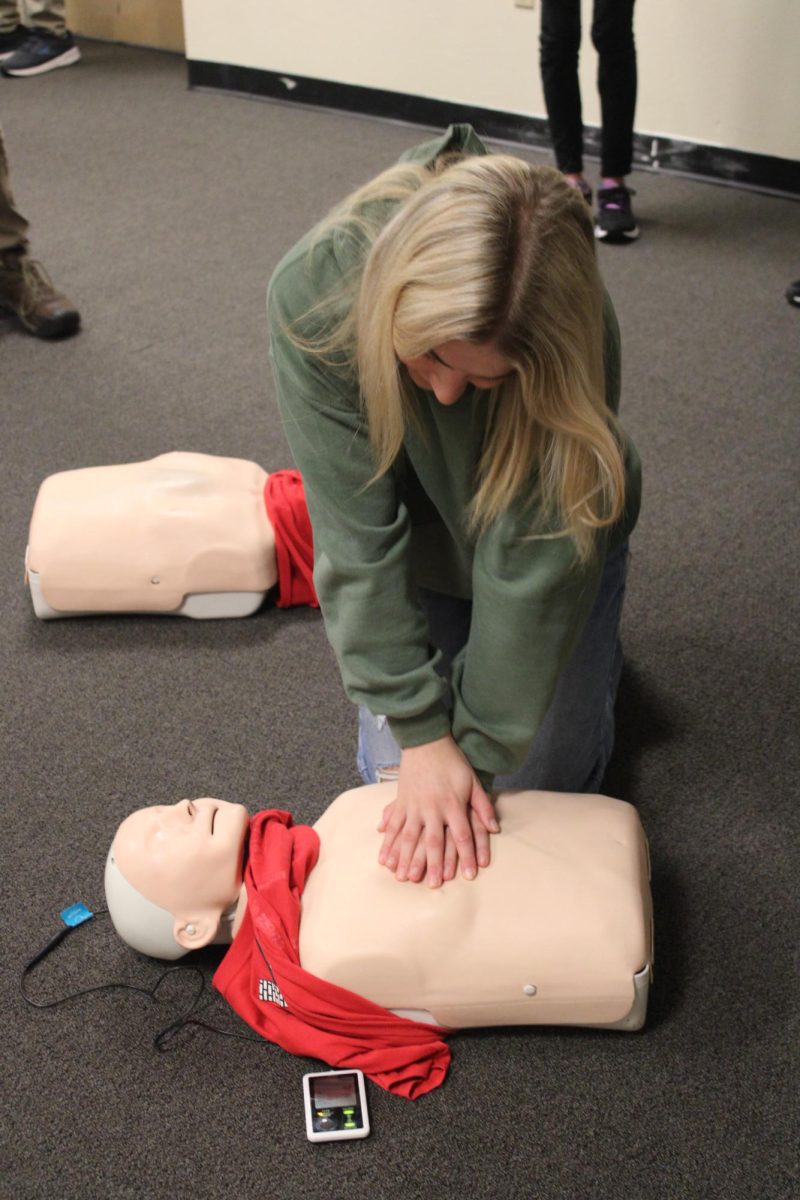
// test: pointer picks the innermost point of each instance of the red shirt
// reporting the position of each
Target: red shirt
(285, 502)
(262, 980)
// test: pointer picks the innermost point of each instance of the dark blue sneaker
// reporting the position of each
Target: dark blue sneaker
(41, 51)
(615, 221)
(12, 41)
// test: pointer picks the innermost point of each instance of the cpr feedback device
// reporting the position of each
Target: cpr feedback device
(336, 1105)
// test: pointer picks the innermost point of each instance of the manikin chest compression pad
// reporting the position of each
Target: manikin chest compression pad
(556, 931)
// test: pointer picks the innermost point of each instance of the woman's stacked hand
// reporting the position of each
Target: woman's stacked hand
(441, 819)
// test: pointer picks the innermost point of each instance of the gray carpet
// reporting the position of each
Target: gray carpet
(161, 212)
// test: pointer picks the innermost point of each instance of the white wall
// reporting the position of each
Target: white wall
(723, 72)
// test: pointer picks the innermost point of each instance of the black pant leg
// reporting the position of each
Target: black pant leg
(612, 35)
(559, 47)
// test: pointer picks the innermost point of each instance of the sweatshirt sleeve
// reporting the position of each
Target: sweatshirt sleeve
(530, 602)
(361, 531)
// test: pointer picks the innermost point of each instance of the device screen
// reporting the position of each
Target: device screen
(334, 1099)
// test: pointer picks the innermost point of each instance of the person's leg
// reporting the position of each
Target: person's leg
(13, 226)
(10, 16)
(46, 14)
(12, 31)
(612, 35)
(377, 754)
(572, 748)
(559, 47)
(25, 290)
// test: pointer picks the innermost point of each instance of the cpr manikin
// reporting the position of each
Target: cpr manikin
(185, 534)
(556, 931)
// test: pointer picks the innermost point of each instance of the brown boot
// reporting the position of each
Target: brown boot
(26, 291)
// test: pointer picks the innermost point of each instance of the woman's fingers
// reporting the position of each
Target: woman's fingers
(393, 826)
(461, 830)
(385, 816)
(412, 838)
(482, 848)
(450, 857)
(483, 808)
(419, 860)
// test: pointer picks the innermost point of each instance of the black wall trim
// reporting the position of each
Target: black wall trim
(717, 163)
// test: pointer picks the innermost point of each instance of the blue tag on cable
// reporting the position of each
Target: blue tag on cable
(76, 914)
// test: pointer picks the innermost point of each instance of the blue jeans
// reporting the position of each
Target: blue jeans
(570, 752)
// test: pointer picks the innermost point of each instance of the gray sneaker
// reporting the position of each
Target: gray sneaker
(42, 51)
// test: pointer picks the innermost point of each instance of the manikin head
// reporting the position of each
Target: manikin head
(173, 875)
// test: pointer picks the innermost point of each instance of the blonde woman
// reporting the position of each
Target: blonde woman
(447, 367)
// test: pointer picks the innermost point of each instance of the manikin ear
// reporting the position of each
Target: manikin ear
(196, 931)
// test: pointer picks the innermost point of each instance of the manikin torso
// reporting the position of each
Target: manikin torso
(144, 536)
(553, 931)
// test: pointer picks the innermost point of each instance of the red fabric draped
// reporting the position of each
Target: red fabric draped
(294, 546)
(261, 977)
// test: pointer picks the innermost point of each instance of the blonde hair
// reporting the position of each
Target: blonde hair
(485, 250)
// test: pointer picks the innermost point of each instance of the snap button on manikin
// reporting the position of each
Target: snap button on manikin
(529, 989)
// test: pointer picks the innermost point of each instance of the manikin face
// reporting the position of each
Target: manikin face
(446, 370)
(185, 857)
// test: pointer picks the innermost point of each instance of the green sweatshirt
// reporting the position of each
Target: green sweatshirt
(375, 544)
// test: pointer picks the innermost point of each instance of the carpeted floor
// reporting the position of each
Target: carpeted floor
(162, 212)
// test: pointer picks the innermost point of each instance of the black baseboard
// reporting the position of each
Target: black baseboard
(716, 163)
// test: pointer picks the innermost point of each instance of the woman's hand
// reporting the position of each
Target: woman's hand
(441, 818)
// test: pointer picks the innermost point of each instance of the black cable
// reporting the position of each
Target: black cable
(51, 945)
(164, 1037)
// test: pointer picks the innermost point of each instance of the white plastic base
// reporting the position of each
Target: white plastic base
(202, 606)
(416, 1014)
(635, 1018)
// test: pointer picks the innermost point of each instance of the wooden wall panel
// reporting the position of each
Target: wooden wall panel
(157, 23)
